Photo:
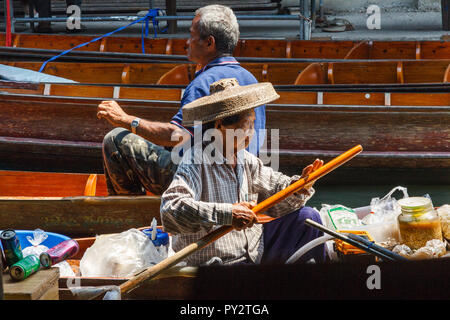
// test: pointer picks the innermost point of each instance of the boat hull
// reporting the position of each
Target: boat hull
(393, 137)
(72, 204)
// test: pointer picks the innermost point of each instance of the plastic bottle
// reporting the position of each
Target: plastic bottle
(159, 238)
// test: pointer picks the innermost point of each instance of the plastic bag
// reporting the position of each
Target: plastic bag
(444, 215)
(119, 255)
(339, 217)
(385, 209)
(37, 248)
(433, 249)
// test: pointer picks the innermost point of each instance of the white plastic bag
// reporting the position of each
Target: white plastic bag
(433, 249)
(37, 248)
(119, 255)
(385, 209)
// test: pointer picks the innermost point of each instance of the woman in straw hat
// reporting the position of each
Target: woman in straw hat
(217, 178)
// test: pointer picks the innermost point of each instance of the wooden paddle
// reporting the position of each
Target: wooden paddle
(152, 271)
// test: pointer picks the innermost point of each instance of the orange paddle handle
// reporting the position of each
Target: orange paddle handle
(299, 184)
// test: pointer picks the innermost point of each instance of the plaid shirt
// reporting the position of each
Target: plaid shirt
(200, 199)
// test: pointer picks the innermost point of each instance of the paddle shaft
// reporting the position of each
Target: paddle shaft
(219, 232)
(356, 241)
(296, 186)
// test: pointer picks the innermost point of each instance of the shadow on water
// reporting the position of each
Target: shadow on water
(356, 187)
(360, 195)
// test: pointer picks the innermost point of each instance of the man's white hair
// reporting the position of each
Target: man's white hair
(221, 23)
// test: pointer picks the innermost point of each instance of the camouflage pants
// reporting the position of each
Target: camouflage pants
(133, 164)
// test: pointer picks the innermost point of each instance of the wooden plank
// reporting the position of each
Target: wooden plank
(276, 73)
(72, 91)
(172, 288)
(44, 184)
(79, 216)
(359, 51)
(376, 128)
(424, 71)
(322, 49)
(42, 285)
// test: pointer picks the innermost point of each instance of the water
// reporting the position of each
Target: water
(360, 195)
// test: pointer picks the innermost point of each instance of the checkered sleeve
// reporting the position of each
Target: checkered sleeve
(267, 182)
(181, 210)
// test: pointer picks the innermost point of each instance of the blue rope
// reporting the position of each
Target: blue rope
(152, 13)
(155, 28)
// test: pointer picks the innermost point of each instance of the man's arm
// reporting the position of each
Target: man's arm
(161, 133)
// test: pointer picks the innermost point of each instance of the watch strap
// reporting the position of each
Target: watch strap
(135, 124)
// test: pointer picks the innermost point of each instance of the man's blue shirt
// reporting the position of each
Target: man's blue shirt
(220, 68)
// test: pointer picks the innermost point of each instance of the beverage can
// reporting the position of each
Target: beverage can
(59, 253)
(24, 268)
(11, 247)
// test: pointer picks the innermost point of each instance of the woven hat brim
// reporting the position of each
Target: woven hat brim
(228, 103)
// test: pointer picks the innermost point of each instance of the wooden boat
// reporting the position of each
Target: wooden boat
(299, 281)
(73, 204)
(430, 71)
(45, 132)
(378, 94)
(330, 281)
(155, 73)
(271, 48)
(176, 283)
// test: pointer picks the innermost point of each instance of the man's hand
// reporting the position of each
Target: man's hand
(114, 114)
(243, 216)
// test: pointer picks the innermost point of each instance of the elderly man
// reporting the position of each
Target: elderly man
(139, 161)
(217, 176)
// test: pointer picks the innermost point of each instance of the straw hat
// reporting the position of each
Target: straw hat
(227, 98)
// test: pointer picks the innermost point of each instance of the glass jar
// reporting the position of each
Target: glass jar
(418, 222)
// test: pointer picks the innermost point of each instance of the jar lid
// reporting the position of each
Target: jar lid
(415, 205)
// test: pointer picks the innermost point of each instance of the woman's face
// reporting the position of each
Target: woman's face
(240, 133)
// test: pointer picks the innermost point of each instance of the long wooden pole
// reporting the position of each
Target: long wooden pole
(152, 271)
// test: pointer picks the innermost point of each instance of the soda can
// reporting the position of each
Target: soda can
(58, 253)
(11, 247)
(24, 268)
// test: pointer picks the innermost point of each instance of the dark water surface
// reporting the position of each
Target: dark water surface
(361, 195)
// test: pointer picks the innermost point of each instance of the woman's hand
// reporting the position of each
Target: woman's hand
(243, 216)
(310, 169)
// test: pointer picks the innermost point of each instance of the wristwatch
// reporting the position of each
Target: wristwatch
(135, 124)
